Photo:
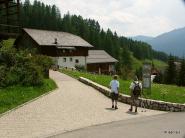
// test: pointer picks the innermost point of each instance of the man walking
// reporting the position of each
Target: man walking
(114, 85)
(135, 88)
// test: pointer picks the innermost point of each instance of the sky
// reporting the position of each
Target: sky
(128, 17)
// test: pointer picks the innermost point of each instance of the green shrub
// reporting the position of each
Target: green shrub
(31, 75)
(20, 67)
(3, 73)
(8, 76)
(45, 62)
(80, 67)
(13, 76)
(8, 56)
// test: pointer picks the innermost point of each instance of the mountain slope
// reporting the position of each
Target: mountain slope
(171, 42)
(142, 38)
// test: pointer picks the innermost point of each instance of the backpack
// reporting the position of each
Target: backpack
(137, 90)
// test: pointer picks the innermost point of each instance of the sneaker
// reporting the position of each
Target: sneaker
(112, 106)
(116, 107)
(135, 110)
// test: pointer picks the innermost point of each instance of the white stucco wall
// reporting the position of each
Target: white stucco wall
(70, 64)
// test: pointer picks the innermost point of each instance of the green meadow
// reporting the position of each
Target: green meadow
(162, 92)
(12, 96)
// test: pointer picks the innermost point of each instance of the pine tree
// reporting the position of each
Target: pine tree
(170, 74)
(41, 16)
(181, 78)
(126, 63)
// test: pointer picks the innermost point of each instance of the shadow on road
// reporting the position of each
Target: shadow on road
(131, 113)
(110, 109)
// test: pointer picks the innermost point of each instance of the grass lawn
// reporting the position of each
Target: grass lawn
(157, 63)
(13, 96)
(168, 93)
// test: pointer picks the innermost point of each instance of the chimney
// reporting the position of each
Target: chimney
(55, 41)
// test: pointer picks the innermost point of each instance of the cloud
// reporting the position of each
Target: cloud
(128, 17)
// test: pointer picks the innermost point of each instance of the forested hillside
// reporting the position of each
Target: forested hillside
(41, 16)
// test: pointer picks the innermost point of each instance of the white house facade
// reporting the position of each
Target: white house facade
(72, 61)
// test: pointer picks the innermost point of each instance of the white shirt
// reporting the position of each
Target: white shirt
(132, 85)
(114, 84)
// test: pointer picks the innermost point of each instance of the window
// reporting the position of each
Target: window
(64, 59)
(71, 59)
(76, 61)
(63, 50)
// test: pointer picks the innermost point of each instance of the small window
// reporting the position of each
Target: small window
(64, 59)
(76, 61)
(71, 59)
(70, 51)
(63, 50)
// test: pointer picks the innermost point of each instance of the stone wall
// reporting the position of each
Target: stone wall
(147, 103)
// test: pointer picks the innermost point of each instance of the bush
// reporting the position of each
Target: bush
(45, 62)
(80, 67)
(3, 73)
(13, 76)
(19, 67)
(8, 56)
(31, 75)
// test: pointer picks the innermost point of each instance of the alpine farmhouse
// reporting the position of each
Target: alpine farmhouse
(67, 50)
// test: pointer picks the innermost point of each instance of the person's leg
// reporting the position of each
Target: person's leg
(116, 100)
(112, 96)
(136, 109)
(116, 107)
(131, 105)
(135, 104)
(112, 103)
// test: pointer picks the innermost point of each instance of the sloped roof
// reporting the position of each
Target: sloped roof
(99, 56)
(47, 38)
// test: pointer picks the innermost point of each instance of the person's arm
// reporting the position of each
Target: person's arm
(118, 87)
(140, 85)
(131, 88)
(110, 84)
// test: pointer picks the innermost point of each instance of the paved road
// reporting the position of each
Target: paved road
(72, 106)
(171, 125)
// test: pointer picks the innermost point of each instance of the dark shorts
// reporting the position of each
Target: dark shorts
(114, 96)
(133, 97)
